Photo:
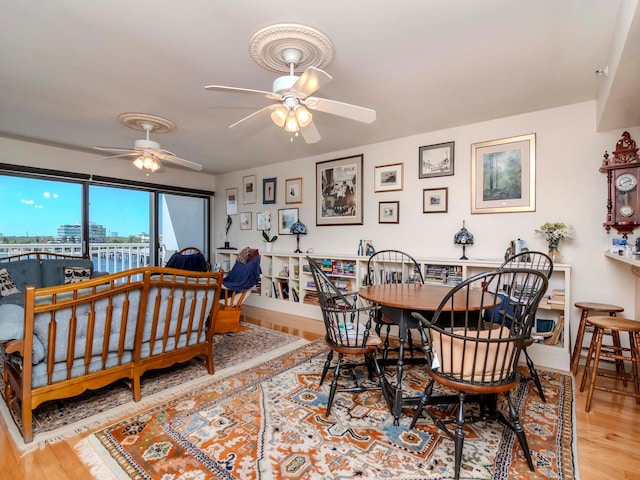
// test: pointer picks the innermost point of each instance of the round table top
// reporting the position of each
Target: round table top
(416, 296)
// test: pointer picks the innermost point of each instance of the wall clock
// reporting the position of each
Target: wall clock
(623, 173)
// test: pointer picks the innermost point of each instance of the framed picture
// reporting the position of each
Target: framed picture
(339, 191)
(503, 175)
(293, 190)
(388, 212)
(232, 201)
(268, 190)
(435, 200)
(286, 218)
(436, 160)
(249, 189)
(263, 221)
(388, 178)
(245, 220)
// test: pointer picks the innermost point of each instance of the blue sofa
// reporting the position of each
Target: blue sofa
(41, 269)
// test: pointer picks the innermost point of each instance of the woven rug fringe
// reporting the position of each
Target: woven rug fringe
(132, 408)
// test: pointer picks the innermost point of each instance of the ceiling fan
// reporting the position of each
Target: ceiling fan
(148, 153)
(293, 97)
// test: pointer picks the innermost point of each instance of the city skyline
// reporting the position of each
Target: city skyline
(39, 207)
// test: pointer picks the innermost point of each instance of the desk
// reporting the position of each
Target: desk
(409, 298)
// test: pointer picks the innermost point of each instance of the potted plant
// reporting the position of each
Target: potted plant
(268, 241)
(266, 228)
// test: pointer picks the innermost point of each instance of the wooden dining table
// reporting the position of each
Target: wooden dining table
(399, 300)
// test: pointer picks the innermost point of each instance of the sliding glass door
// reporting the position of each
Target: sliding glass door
(182, 222)
(119, 224)
(119, 228)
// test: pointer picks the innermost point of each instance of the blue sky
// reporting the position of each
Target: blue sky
(38, 207)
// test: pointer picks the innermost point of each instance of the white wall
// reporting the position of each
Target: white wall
(569, 188)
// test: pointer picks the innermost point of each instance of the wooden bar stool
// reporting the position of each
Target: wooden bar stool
(586, 307)
(616, 353)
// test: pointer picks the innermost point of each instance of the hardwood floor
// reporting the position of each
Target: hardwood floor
(608, 436)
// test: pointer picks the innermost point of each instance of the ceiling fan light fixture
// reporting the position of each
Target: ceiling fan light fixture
(139, 162)
(303, 116)
(279, 115)
(291, 124)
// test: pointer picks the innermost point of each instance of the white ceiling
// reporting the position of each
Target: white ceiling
(69, 67)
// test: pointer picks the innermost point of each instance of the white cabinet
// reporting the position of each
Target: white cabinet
(287, 286)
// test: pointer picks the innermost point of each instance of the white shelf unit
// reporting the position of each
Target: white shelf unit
(350, 271)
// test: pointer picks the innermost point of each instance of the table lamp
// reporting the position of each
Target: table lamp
(298, 228)
(464, 238)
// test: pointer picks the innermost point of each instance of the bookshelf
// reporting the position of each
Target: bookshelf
(291, 290)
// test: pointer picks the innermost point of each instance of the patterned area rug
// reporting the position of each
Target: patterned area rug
(59, 419)
(268, 423)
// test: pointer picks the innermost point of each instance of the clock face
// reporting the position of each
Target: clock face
(626, 182)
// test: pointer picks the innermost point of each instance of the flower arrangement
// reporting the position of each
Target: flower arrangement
(553, 233)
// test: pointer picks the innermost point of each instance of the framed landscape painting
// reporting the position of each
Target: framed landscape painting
(503, 175)
(388, 178)
(245, 220)
(286, 218)
(388, 212)
(436, 160)
(435, 200)
(339, 191)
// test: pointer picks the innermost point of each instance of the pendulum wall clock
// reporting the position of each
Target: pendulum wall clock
(623, 174)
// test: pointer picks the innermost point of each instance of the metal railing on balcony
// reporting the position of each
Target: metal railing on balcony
(106, 257)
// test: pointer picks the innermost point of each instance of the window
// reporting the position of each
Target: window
(120, 224)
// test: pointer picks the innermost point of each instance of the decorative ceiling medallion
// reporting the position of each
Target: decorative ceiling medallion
(138, 121)
(267, 45)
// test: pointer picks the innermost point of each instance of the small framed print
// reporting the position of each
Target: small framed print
(249, 189)
(436, 160)
(245, 220)
(293, 190)
(435, 200)
(263, 221)
(286, 218)
(388, 178)
(268, 190)
(232, 201)
(388, 212)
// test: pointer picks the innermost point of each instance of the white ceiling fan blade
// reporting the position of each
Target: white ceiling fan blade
(120, 155)
(311, 80)
(116, 149)
(255, 115)
(170, 157)
(261, 93)
(310, 133)
(354, 112)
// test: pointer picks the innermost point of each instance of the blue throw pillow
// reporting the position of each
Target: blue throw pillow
(12, 328)
(495, 314)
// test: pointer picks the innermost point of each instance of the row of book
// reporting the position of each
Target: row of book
(444, 274)
(282, 291)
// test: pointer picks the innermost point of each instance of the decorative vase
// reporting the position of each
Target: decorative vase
(555, 254)
(268, 247)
